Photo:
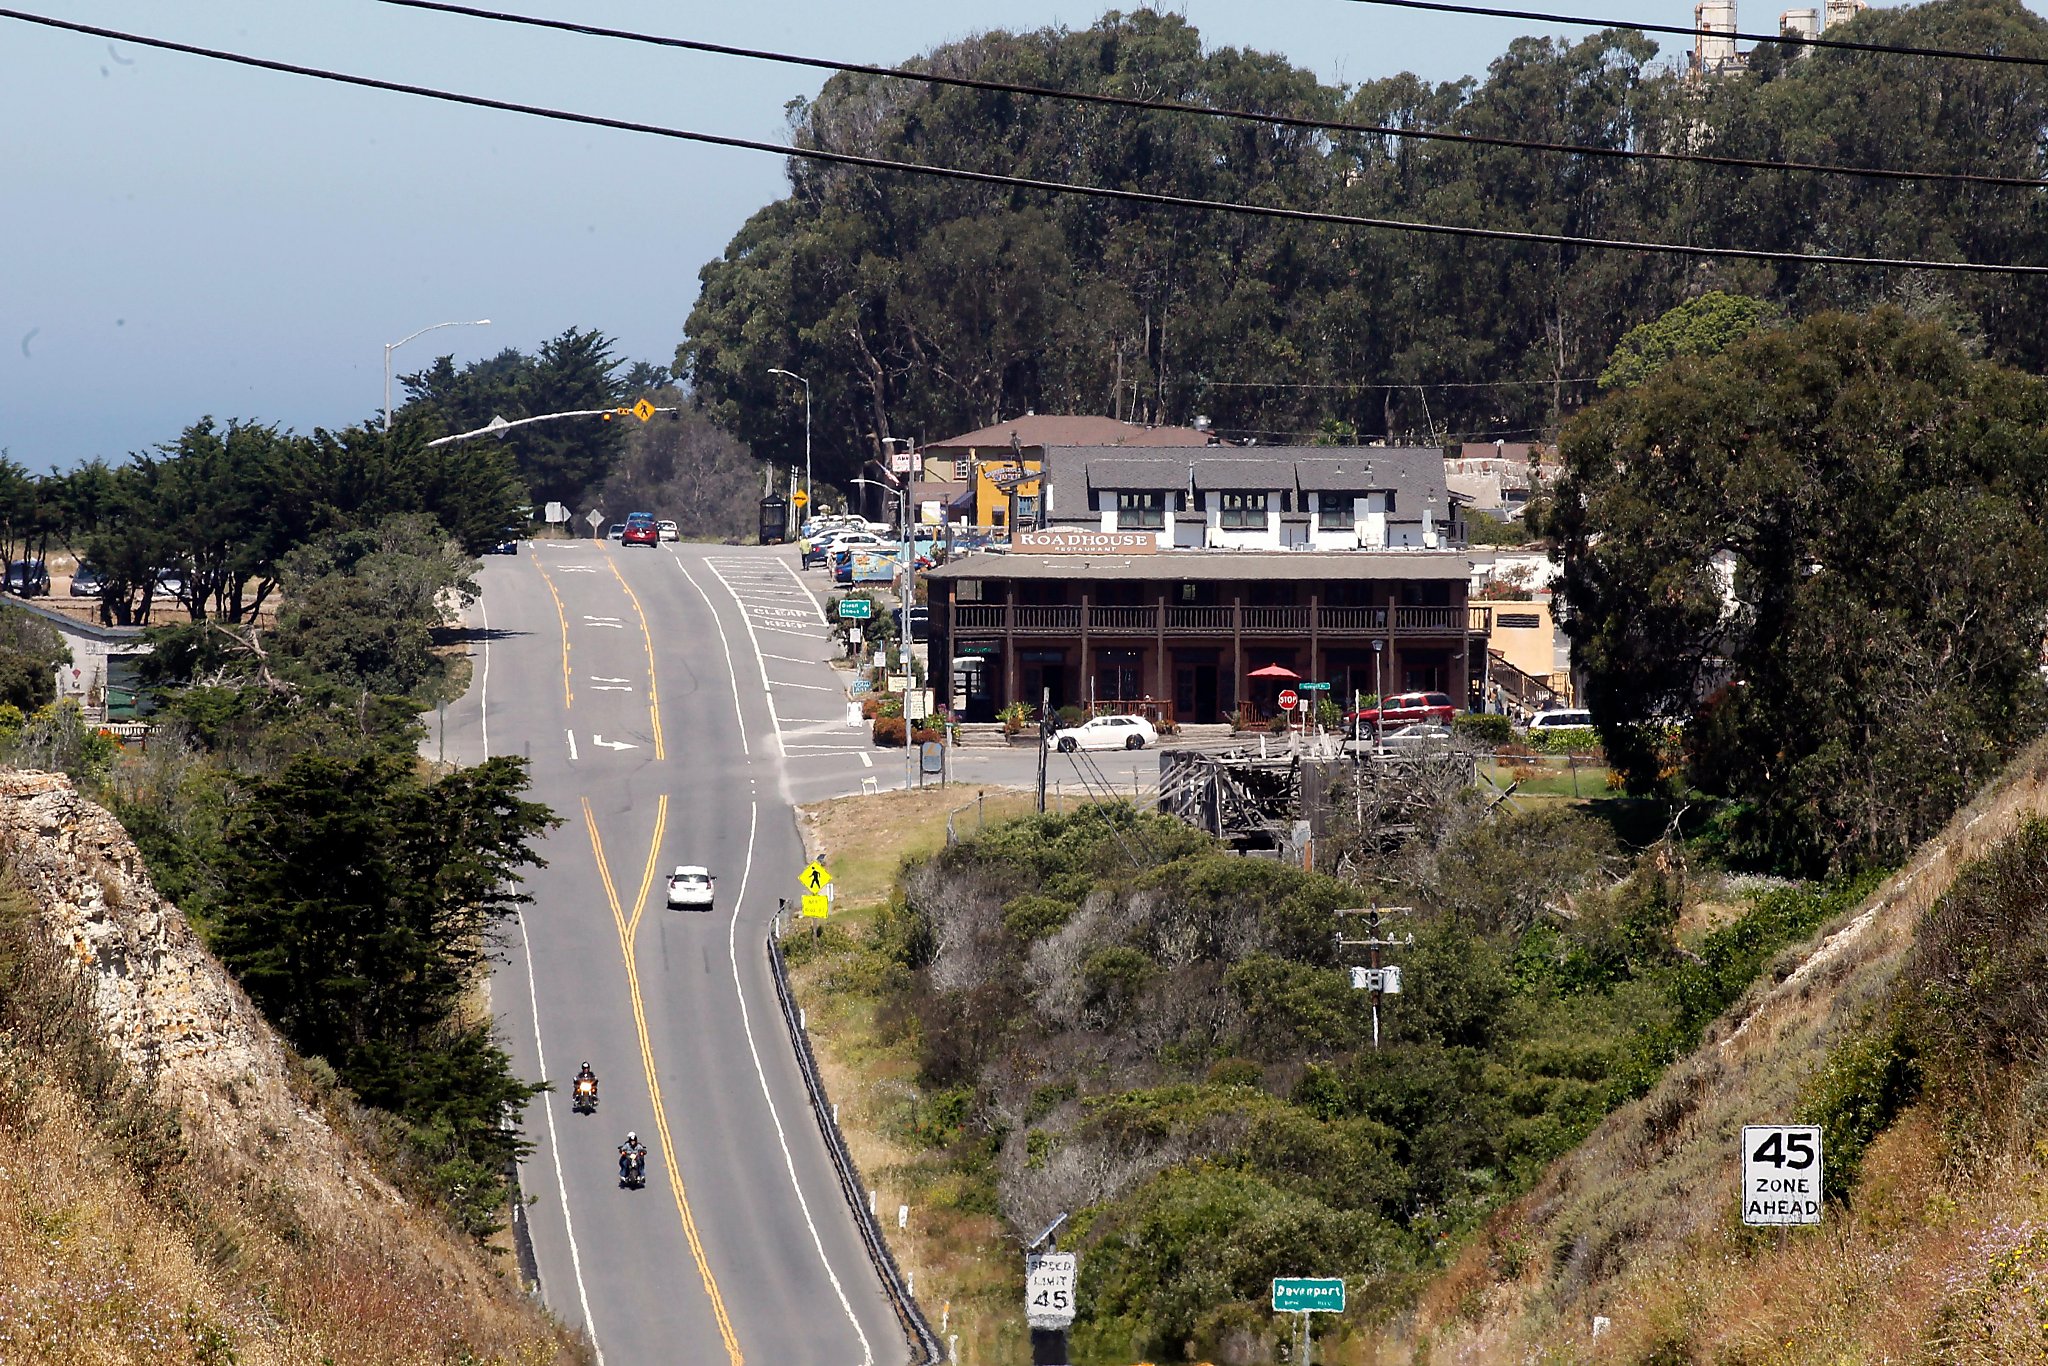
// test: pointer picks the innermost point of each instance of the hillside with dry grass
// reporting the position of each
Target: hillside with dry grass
(1912, 1030)
(175, 1185)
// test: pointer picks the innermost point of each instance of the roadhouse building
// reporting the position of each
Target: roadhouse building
(1166, 581)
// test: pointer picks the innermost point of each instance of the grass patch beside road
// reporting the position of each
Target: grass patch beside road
(965, 1269)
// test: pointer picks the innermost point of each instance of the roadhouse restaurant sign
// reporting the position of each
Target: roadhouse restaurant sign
(1086, 542)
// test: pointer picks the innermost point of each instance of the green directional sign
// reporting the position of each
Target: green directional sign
(1308, 1294)
(1313, 687)
(855, 609)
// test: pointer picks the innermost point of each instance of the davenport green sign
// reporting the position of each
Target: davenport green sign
(1308, 1295)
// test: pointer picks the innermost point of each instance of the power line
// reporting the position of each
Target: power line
(1841, 44)
(1206, 111)
(1146, 197)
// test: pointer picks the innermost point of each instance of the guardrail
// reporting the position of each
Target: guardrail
(916, 1329)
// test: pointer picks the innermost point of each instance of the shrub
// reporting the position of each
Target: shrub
(926, 735)
(1565, 740)
(1014, 717)
(889, 730)
(1856, 1095)
(1035, 917)
(1072, 716)
(1483, 728)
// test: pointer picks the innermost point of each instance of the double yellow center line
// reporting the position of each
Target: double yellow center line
(628, 932)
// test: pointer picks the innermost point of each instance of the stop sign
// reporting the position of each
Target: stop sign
(1288, 699)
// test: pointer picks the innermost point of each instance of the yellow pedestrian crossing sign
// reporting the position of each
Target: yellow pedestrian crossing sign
(814, 878)
(643, 410)
(816, 905)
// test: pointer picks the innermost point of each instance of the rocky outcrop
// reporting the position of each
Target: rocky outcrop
(165, 1005)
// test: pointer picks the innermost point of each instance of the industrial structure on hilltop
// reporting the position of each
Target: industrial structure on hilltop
(1714, 52)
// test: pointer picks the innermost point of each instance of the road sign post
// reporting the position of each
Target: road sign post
(1781, 1174)
(1307, 1295)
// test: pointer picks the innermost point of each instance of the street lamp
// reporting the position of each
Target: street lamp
(809, 493)
(389, 347)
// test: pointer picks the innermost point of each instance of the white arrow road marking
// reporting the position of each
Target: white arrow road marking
(572, 744)
(596, 679)
(575, 569)
(603, 743)
(609, 687)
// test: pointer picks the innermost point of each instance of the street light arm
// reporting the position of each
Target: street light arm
(393, 346)
(496, 426)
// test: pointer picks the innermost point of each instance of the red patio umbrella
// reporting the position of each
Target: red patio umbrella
(1273, 671)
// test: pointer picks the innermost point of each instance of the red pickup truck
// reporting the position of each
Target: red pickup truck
(1404, 709)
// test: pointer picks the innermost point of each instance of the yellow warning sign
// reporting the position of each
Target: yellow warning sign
(814, 877)
(643, 410)
(799, 498)
(816, 905)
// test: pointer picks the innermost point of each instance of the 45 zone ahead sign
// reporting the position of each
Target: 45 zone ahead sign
(1781, 1174)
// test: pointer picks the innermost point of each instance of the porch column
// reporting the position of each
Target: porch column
(1237, 651)
(1391, 682)
(1315, 639)
(1464, 692)
(1010, 681)
(1159, 638)
(1087, 697)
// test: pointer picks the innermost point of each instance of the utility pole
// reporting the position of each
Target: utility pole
(1381, 979)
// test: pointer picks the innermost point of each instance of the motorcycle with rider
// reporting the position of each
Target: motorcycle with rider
(632, 1162)
(583, 1092)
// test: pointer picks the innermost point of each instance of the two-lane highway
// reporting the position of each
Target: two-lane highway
(670, 700)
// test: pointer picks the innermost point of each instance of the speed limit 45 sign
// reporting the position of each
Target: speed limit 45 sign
(1781, 1174)
(1049, 1289)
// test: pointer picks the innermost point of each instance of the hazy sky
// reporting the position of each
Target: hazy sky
(182, 237)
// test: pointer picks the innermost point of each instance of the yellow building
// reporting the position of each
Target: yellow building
(999, 464)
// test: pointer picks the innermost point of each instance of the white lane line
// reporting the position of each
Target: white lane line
(865, 761)
(754, 637)
(807, 591)
(730, 669)
(867, 1352)
(807, 687)
(539, 1050)
(572, 744)
(791, 659)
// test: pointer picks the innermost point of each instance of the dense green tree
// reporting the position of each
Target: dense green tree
(1705, 326)
(1834, 533)
(357, 905)
(923, 308)
(31, 652)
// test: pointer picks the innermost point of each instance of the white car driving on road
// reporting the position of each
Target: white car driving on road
(690, 885)
(1105, 732)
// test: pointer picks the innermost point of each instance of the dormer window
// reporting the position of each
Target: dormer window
(1244, 512)
(1336, 511)
(1140, 511)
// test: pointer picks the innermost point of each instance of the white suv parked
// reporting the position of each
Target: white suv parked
(1105, 732)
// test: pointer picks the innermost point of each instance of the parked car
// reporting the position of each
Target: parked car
(1105, 732)
(919, 626)
(1562, 718)
(507, 542)
(669, 530)
(1405, 709)
(827, 545)
(28, 579)
(170, 581)
(690, 885)
(1422, 735)
(87, 582)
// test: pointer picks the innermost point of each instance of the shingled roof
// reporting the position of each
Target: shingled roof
(1414, 474)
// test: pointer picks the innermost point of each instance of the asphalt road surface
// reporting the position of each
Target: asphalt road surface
(673, 703)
